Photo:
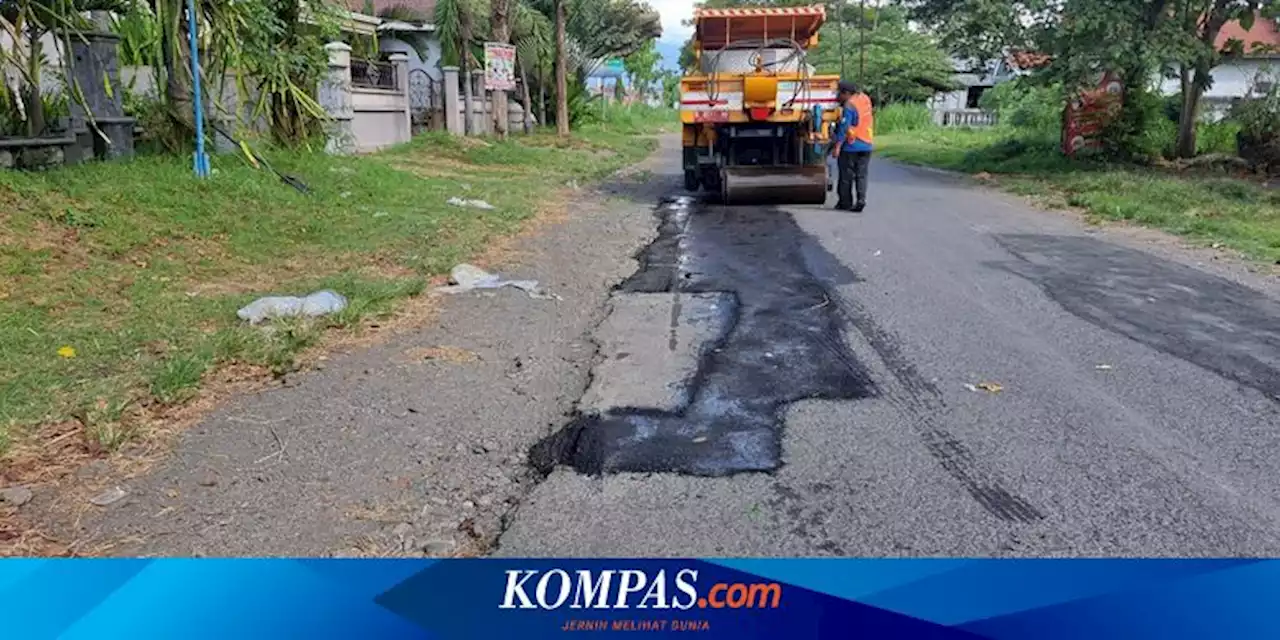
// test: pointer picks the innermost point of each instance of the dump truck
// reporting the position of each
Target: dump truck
(756, 120)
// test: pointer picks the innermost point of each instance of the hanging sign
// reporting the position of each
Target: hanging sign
(499, 67)
(1089, 113)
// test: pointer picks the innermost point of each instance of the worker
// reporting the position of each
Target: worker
(852, 146)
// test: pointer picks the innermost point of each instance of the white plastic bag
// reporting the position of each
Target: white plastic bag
(320, 303)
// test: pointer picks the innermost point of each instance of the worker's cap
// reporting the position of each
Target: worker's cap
(847, 87)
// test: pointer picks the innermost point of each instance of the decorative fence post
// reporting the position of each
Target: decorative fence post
(335, 96)
(452, 102)
(95, 75)
(400, 62)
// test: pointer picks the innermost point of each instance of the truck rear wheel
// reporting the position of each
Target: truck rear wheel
(690, 180)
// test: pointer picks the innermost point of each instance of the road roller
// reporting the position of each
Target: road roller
(756, 119)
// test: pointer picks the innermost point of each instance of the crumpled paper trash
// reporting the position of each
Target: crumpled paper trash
(466, 277)
(320, 303)
(474, 204)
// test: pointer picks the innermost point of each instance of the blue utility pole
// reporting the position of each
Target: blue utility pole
(201, 159)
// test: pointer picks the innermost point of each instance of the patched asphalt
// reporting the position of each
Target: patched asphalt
(962, 375)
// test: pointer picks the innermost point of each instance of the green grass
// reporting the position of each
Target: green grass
(138, 268)
(903, 117)
(1205, 208)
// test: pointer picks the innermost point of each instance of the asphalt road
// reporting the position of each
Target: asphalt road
(801, 381)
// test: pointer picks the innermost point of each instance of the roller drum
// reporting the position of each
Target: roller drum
(773, 185)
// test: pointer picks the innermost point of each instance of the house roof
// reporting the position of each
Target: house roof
(1027, 60)
(426, 7)
(1263, 39)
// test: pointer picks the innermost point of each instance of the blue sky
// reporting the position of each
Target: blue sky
(673, 32)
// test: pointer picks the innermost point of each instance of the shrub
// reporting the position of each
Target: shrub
(1259, 136)
(903, 116)
(1022, 105)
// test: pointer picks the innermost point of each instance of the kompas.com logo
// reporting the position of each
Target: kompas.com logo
(631, 589)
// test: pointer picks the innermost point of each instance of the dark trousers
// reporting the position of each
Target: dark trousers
(853, 172)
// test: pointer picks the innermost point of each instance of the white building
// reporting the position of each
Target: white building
(1250, 75)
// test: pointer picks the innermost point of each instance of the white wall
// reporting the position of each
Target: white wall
(1231, 80)
(1234, 79)
(949, 100)
(379, 118)
(51, 78)
(391, 44)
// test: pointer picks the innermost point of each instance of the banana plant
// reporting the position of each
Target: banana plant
(26, 22)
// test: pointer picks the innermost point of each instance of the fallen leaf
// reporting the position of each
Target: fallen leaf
(67, 352)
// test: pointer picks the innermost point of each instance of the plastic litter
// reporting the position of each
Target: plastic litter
(989, 387)
(108, 497)
(466, 277)
(320, 303)
(474, 204)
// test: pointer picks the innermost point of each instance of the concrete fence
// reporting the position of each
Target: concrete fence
(371, 115)
(454, 105)
(964, 118)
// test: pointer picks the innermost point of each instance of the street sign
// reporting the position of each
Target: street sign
(499, 67)
(610, 68)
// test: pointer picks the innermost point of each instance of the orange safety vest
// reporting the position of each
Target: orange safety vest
(865, 129)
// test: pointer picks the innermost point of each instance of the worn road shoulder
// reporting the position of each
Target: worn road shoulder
(413, 447)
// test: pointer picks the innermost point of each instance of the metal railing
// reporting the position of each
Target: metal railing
(368, 74)
(964, 118)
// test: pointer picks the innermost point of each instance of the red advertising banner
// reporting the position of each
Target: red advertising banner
(1088, 114)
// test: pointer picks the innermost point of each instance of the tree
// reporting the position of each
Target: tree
(534, 40)
(670, 88)
(562, 71)
(1201, 24)
(499, 22)
(984, 30)
(456, 21)
(572, 33)
(900, 64)
(643, 66)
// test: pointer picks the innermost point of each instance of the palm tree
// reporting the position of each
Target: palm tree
(456, 21)
(575, 33)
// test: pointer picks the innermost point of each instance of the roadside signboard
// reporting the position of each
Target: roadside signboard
(499, 67)
(1088, 114)
(610, 68)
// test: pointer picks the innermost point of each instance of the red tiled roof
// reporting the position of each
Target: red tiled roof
(1029, 59)
(1264, 34)
(425, 7)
